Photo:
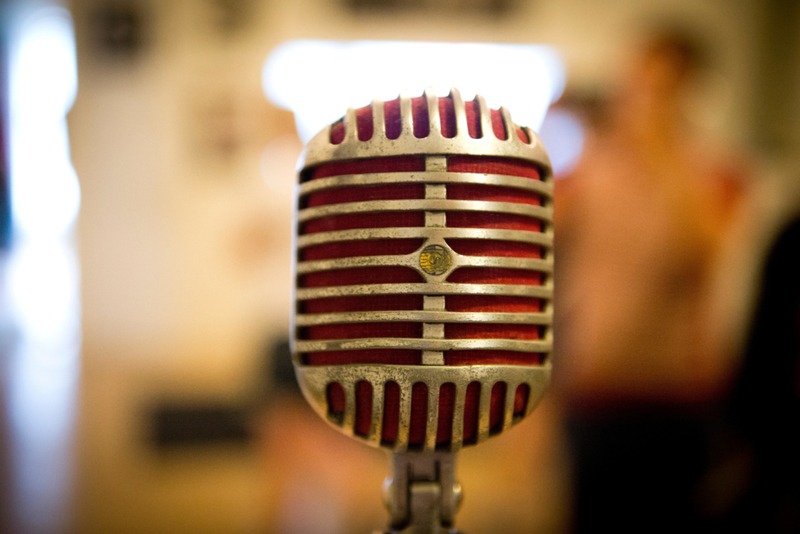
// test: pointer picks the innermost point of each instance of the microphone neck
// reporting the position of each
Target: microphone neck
(422, 494)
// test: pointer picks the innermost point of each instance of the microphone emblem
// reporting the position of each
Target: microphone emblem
(435, 260)
(423, 276)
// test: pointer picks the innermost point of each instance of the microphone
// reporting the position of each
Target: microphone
(423, 297)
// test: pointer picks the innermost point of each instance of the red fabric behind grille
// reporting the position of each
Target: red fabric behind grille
(491, 357)
(335, 395)
(361, 275)
(497, 406)
(491, 303)
(391, 113)
(447, 402)
(494, 247)
(447, 393)
(419, 414)
(372, 165)
(473, 124)
(500, 221)
(384, 219)
(419, 107)
(337, 132)
(362, 330)
(447, 117)
(493, 165)
(365, 247)
(499, 128)
(471, 405)
(491, 331)
(364, 193)
(469, 247)
(363, 407)
(391, 412)
(367, 356)
(364, 123)
(362, 303)
(419, 407)
(492, 193)
(494, 275)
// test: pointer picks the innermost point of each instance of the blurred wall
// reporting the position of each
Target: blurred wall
(184, 252)
(185, 219)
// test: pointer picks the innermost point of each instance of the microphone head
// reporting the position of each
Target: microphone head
(423, 271)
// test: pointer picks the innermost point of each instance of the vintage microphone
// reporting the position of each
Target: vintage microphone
(423, 270)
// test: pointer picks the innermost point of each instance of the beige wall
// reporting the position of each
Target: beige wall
(185, 248)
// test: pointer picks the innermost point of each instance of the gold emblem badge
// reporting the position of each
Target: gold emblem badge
(434, 259)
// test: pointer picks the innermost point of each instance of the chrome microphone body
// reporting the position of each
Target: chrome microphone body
(423, 297)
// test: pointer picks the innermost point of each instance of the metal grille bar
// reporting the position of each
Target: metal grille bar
(537, 238)
(423, 344)
(315, 380)
(431, 288)
(536, 212)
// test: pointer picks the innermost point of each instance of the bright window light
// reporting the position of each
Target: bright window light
(44, 293)
(42, 274)
(319, 80)
(45, 195)
(563, 135)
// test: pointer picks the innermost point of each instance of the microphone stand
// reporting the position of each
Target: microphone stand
(422, 494)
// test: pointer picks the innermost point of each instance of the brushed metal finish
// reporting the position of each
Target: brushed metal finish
(439, 177)
(536, 238)
(314, 382)
(321, 150)
(432, 288)
(423, 344)
(412, 261)
(435, 238)
(424, 316)
(423, 495)
(536, 212)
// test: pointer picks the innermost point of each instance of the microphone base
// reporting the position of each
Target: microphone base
(422, 494)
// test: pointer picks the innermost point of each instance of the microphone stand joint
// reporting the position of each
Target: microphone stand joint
(422, 495)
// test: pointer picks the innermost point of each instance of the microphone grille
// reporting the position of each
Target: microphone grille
(423, 272)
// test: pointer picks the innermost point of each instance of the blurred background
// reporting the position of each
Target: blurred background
(145, 222)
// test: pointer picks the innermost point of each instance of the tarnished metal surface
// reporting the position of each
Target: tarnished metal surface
(434, 261)
(423, 344)
(425, 317)
(418, 261)
(431, 288)
(439, 177)
(314, 382)
(535, 238)
(320, 150)
(422, 494)
(539, 212)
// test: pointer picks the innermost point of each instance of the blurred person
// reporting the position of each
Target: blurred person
(641, 224)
